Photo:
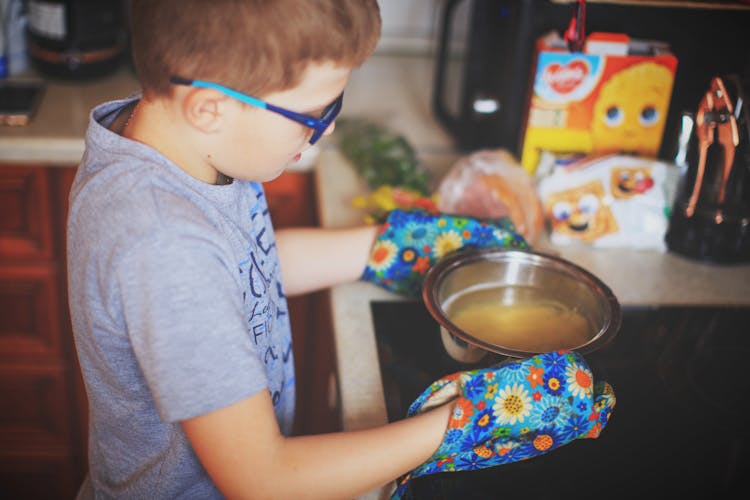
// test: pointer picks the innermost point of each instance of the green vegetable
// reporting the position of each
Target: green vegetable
(381, 156)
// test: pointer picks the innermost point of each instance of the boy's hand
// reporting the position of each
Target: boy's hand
(514, 410)
(410, 242)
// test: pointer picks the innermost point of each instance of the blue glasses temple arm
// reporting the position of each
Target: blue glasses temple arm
(226, 90)
(307, 120)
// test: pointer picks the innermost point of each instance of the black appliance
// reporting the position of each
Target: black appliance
(77, 39)
(711, 215)
(486, 50)
(680, 429)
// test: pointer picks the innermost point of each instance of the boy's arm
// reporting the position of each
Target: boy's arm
(314, 258)
(245, 454)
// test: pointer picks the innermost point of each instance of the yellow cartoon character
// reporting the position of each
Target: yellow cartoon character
(626, 182)
(581, 212)
(631, 110)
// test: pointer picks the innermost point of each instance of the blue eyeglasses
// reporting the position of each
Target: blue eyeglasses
(319, 125)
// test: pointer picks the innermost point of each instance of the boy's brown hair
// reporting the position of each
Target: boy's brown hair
(254, 46)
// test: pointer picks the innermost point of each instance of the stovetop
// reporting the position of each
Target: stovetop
(680, 428)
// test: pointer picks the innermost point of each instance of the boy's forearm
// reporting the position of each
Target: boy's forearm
(316, 258)
(352, 463)
(241, 448)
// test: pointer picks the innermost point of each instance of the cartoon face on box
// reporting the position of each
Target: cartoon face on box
(631, 108)
(627, 182)
(581, 212)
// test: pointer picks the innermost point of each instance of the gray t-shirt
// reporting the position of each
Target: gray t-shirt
(177, 308)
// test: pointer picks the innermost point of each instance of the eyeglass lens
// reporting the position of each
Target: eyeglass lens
(329, 114)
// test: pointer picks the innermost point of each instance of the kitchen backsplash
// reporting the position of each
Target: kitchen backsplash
(410, 27)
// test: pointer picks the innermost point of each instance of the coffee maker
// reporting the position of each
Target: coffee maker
(77, 39)
(710, 220)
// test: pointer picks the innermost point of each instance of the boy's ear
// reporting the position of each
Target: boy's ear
(204, 109)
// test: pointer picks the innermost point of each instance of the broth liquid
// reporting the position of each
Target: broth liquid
(530, 325)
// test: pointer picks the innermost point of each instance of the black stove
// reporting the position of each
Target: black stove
(681, 427)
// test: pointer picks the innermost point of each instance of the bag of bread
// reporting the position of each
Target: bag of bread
(493, 184)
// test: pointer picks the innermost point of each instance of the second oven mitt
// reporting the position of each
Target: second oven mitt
(515, 410)
(410, 242)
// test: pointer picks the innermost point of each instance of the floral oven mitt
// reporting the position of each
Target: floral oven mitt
(410, 242)
(512, 411)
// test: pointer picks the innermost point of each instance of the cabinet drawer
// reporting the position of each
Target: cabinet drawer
(25, 227)
(33, 408)
(37, 477)
(30, 325)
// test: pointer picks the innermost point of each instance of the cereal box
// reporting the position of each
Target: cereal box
(611, 98)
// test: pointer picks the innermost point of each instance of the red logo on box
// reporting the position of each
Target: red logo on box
(564, 79)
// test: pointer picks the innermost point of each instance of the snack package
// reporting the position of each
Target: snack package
(492, 184)
(608, 201)
(611, 98)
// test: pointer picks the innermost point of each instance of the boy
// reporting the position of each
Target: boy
(177, 299)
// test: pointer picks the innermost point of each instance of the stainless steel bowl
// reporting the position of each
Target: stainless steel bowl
(520, 276)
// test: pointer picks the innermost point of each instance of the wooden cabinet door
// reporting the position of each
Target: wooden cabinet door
(42, 447)
(291, 200)
(25, 226)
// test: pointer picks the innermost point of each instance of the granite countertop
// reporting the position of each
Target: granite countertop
(397, 92)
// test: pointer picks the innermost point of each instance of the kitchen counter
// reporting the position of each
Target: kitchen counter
(636, 277)
(55, 134)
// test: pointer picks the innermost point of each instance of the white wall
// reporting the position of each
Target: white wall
(409, 26)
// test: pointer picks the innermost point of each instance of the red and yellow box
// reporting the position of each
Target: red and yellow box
(606, 99)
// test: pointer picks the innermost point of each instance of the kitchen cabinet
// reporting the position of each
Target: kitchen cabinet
(43, 405)
(43, 408)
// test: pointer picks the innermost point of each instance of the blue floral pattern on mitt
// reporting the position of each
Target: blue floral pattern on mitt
(410, 242)
(515, 410)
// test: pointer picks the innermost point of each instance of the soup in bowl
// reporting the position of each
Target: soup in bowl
(518, 303)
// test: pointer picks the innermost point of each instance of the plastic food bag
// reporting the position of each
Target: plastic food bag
(492, 184)
(608, 201)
